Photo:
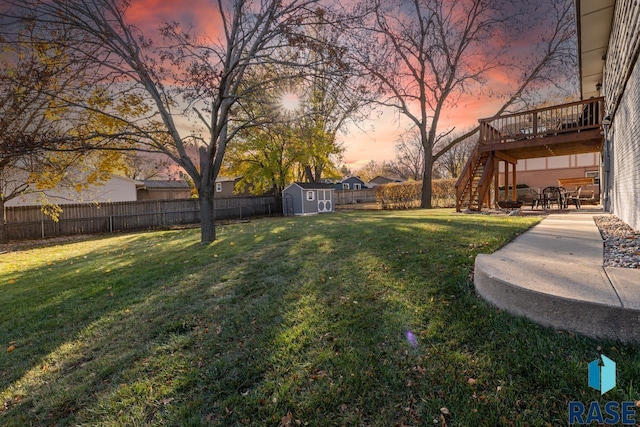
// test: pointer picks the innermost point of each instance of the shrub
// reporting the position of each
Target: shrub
(443, 192)
(403, 195)
(407, 195)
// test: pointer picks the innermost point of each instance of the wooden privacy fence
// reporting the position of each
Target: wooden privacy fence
(28, 222)
(346, 197)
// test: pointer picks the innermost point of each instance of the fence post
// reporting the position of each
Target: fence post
(110, 223)
(160, 209)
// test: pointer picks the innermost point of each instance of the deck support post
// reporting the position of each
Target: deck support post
(496, 181)
(514, 194)
(506, 180)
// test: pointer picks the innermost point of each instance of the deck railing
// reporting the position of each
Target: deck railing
(539, 123)
(559, 119)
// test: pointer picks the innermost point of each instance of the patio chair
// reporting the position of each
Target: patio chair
(536, 199)
(574, 197)
(551, 195)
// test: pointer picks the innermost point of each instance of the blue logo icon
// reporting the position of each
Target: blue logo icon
(602, 374)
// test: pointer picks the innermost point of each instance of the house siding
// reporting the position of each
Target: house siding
(352, 181)
(544, 172)
(624, 46)
(625, 167)
(164, 193)
(228, 188)
(115, 189)
(310, 206)
(292, 200)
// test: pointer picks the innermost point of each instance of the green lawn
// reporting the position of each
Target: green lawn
(286, 321)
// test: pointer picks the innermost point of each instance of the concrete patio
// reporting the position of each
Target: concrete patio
(553, 274)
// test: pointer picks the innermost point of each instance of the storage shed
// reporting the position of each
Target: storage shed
(304, 198)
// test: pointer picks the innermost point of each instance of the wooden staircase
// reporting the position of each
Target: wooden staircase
(473, 185)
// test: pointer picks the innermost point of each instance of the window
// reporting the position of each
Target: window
(593, 174)
(345, 185)
(218, 187)
(357, 186)
(310, 196)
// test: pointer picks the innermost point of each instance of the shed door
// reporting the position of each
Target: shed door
(324, 201)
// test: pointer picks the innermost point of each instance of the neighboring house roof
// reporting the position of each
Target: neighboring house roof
(353, 179)
(163, 184)
(228, 179)
(384, 180)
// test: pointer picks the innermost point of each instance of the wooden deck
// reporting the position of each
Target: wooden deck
(572, 128)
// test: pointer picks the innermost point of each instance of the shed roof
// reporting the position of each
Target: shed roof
(314, 186)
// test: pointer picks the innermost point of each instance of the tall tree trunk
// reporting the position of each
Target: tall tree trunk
(207, 215)
(318, 173)
(3, 236)
(308, 172)
(427, 176)
(278, 198)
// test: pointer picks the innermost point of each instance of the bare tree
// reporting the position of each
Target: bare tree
(450, 164)
(429, 56)
(550, 65)
(431, 52)
(183, 76)
(372, 170)
(409, 161)
(334, 94)
(144, 166)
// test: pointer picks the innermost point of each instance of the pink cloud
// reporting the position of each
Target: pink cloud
(200, 15)
(378, 143)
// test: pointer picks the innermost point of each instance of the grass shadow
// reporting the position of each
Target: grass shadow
(285, 320)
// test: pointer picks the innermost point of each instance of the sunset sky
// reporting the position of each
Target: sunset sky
(373, 139)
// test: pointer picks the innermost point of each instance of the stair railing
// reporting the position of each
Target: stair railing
(485, 181)
(466, 176)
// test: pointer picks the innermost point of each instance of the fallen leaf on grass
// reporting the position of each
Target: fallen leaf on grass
(286, 420)
(471, 381)
(11, 348)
